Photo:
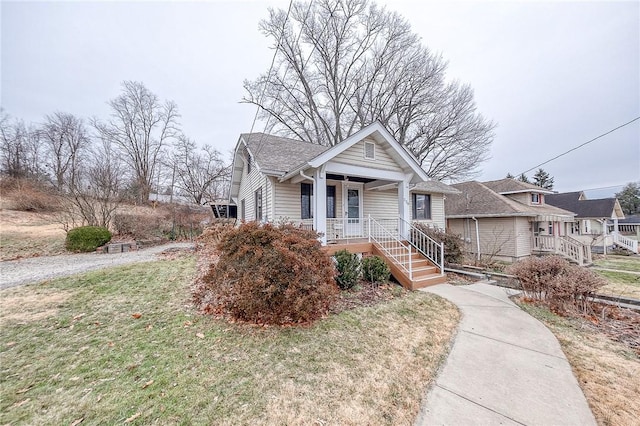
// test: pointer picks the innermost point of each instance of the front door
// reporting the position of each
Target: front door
(353, 213)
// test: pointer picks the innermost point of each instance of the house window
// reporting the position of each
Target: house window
(535, 198)
(248, 163)
(421, 206)
(306, 201)
(242, 210)
(370, 150)
(306, 205)
(258, 204)
(331, 201)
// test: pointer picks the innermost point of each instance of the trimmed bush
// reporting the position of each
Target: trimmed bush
(375, 270)
(348, 268)
(87, 238)
(269, 275)
(452, 242)
(557, 283)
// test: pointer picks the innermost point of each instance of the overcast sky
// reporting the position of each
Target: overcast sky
(552, 75)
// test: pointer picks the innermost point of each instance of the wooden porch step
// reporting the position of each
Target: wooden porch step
(424, 272)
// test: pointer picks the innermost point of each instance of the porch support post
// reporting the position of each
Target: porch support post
(404, 206)
(320, 196)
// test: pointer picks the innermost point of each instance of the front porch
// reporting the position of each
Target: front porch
(564, 246)
(415, 260)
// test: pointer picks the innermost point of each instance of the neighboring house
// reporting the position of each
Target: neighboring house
(594, 218)
(367, 189)
(630, 225)
(508, 220)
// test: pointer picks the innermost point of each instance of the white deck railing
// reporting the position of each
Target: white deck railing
(625, 242)
(565, 246)
(390, 243)
(427, 246)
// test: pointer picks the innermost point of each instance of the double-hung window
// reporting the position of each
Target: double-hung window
(421, 206)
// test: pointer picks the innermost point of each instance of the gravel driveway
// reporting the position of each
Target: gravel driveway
(23, 271)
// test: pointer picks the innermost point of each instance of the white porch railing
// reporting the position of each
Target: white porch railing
(564, 246)
(427, 246)
(388, 241)
(625, 242)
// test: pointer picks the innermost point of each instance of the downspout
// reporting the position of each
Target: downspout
(477, 238)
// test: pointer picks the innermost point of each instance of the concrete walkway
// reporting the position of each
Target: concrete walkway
(505, 368)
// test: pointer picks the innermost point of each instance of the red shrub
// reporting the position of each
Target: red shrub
(555, 282)
(268, 274)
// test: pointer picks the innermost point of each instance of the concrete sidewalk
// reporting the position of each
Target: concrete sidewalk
(505, 367)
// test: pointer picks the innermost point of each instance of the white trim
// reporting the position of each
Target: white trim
(346, 185)
(366, 172)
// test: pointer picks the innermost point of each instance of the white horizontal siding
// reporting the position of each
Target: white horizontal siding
(381, 204)
(249, 184)
(355, 156)
(288, 201)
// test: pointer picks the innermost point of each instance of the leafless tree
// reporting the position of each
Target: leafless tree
(343, 64)
(96, 195)
(64, 137)
(200, 172)
(140, 126)
(19, 148)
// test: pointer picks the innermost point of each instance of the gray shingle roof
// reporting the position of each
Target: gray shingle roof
(278, 155)
(477, 199)
(435, 186)
(600, 208)
(507, 185)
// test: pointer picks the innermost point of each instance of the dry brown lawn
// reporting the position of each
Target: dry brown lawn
(27, 234)
(608, 372)
(125, 344)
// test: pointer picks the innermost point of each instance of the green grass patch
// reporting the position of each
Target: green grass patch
(620, 284)
(622, 263)
(125, 344)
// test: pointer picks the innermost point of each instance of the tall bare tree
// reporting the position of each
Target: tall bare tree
(20, 150)
(342, 64)
(64, 137)
(97, 192)
(141, 126)
(201, 172)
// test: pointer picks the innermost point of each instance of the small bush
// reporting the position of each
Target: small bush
(375, 270)
(87, 238)
(557, 283)
(452, 242)
(269, 275)
(348, 268)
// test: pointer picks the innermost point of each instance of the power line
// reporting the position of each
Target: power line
(581, 145)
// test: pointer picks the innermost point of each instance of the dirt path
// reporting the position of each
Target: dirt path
(24, 271)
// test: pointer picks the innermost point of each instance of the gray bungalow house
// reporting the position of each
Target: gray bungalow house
(508, 220)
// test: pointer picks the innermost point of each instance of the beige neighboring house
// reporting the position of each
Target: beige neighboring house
(364, 192)
(593, 221)
(508, 220)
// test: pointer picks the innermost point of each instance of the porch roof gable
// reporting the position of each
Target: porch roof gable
(381, 135)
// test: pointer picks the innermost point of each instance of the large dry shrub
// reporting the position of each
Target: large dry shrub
(268, 274)
(557, 283)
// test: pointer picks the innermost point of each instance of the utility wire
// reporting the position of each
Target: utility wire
(581, 145)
